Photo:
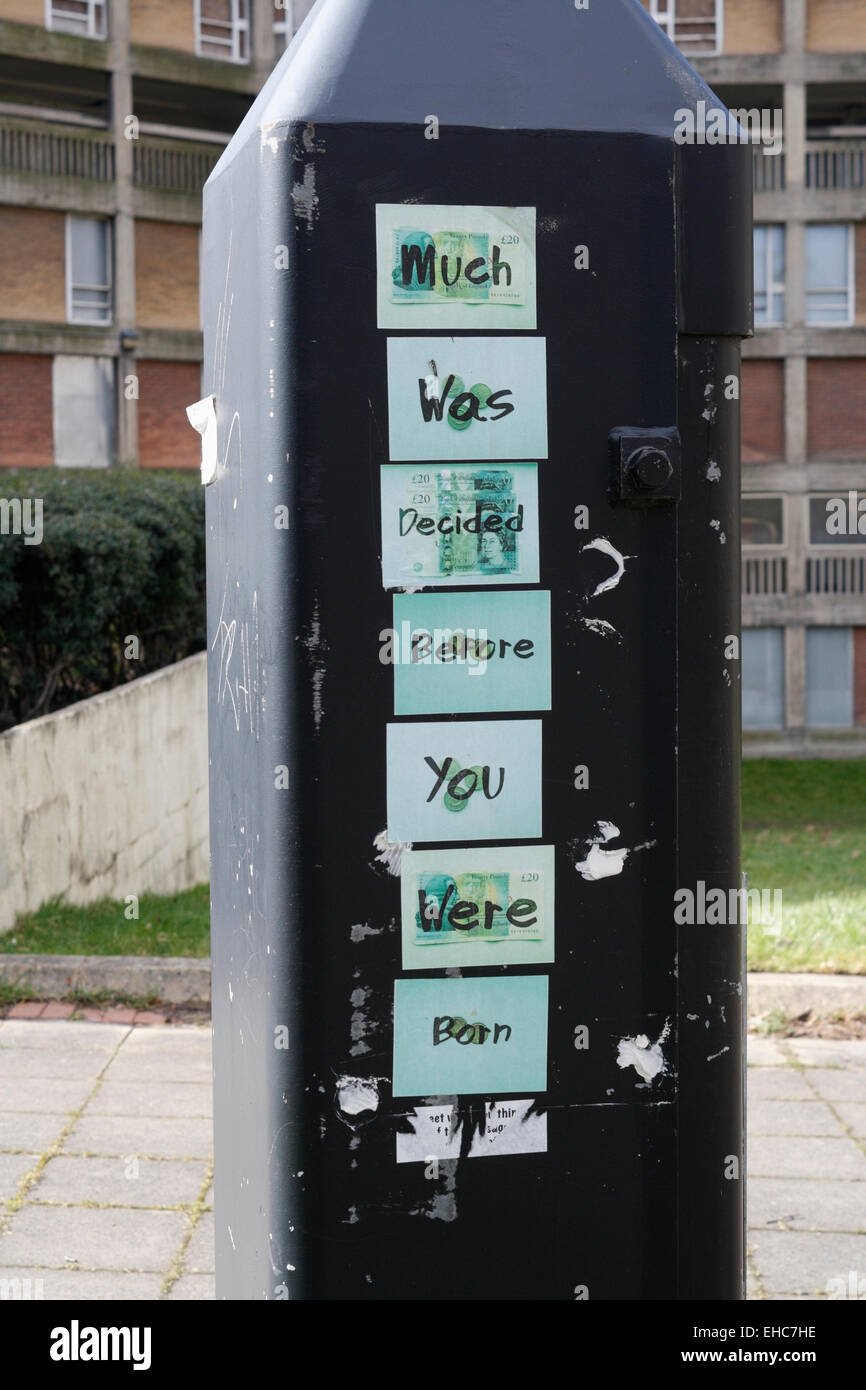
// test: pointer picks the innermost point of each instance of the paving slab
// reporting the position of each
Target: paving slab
(804, 1117)
(145, 1098)
(199, 1254)
(173, 1137)
(43, 1097)
(32, 1133)
(52, 1064)
(118, 1239)
(777, 1083)
(853, 1114)
(126, 1181)
(837, 1083)
(190, 1286)
(165, 1063)
(20, 1033)
(806, 1204)
(12, 1170)
(799, 1262)
(789, 1156)
(75, 1285)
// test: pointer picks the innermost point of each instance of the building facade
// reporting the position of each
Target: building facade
(113, 113)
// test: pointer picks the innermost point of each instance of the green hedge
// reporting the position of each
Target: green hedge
(122, 554)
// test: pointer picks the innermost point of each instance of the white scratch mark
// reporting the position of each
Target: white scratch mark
(599, 626)
(713, 1055)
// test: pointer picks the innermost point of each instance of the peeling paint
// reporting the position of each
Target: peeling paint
(361, 929)
(305, 197)
(714, 472)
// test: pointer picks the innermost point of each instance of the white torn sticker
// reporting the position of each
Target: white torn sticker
(602, 863)
(603, 544)
(509, 1128)
(357, 1095)
(202, 416)
(390, 852)
(599, 626)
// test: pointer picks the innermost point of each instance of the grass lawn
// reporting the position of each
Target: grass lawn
(174, 926)
(804, 831)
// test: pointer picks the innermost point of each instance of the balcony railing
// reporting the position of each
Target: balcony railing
(764, 574)
(171, 167)
(33, 147)
(836, 164)
(39, 149)
(768, 172)
(836, 574)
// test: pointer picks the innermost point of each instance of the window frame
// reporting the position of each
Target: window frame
(774, 287)
(93, 7)
(285, 27)
(850, 288)
(664, 12)
(856, 543)
(782, 497)
(831, 627)
(71, 287)
(239, 29)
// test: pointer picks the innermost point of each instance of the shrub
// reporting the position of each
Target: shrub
(122, 555)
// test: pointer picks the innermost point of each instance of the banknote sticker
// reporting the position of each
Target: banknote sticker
(509, 1127)
(464, 781)
(491, 905)
(467, 398)
(460, 525)
(455, 267)
(486, 1034)
(461, 653)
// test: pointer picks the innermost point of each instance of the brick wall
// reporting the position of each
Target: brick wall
(23, 11)
(763, 394)
(166, 275)
(165, 437)
(836, 26)
(753, 26)
(837, 408)
(163, 24)
(32, 265)
(26, 438)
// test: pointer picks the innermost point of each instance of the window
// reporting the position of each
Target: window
(82, 391)
(695, 25)
(829, 678)
(88, 270)
(763, 520)
(283, 24)
(830, 275)
(222, 30)
(84, 17)
(763, 678)
(838, 518)
(769, 276)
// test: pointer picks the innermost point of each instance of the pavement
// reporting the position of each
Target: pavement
(105, 1169)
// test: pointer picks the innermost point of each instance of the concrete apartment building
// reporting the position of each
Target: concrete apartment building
(112, 114)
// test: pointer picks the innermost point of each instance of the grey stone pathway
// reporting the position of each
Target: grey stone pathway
(105, 1172)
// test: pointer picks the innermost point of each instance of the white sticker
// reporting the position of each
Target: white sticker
(509, 1128)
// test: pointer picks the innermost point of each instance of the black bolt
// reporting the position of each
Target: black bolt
(650, 468)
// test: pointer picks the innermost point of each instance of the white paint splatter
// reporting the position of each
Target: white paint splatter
(647, 1058)
(713, 1055)
(390, 853)
(603, 544)
(361, 929)
(714, 472)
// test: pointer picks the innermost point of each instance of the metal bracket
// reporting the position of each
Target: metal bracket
(646, 466)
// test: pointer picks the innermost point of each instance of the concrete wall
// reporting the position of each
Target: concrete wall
(108, 797)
